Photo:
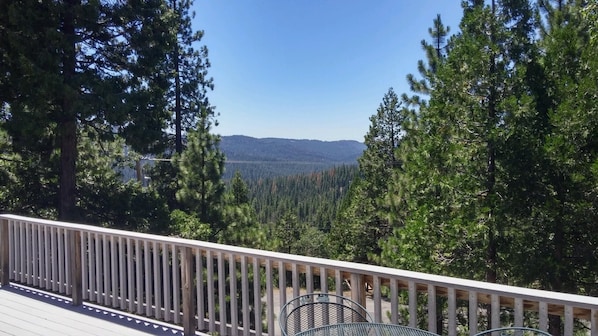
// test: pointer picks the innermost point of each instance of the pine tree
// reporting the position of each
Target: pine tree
(566, 216)
(239, 190)
(435, 54)
(187, 97)
(200, 185)
(190, 73)
(72, 63)
(366, 217)
(242, 228)
(457, 154)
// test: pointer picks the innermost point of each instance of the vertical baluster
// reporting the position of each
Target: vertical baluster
(34, 254)
(222, 293)
(282, 283)
(122, 273)
(295, 279)
(309, 288)
(257, 298)
(296, 292)
(139, 276)
(569, 321)
(130, 255)
(23, 255)
(339, 292)
(452, 312)
(166, 259)
(324, 280)
(68, 267)
(518, 312)
(92, 246)
(495, 304)
(41, 255)
(48, 256)
(176, 281)
(245, 294)
(269, 296)
(232, 270)
(5, 244)
(473, 313)
(432, 308)
(99, 262)
(211, 297)
(309, 279)
(10, 248)
(85, 264)
(543, 316)
(394, 301)
(411, 287)
(201, 311)
(157, 282)
(54, 261)
(377, 287)
(594, 323)
(61, 268)
(324, 288)
(338, 281)
(28, 256)
(114, 272)
(147, 274)
(106, 270)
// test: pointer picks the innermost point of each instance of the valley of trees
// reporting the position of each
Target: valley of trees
(488, 169)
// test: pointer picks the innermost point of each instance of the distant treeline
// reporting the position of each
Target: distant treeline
(257, 170)
(313, 197)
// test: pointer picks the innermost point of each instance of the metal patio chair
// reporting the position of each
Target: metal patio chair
(366, 329)
(513, 331)
(319, 309)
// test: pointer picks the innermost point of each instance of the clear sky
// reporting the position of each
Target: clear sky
(312, 69)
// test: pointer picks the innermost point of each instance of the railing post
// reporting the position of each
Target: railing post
(188, 292)
(76, 271)
(4, 252)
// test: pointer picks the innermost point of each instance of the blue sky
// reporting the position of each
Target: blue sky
(311, 69)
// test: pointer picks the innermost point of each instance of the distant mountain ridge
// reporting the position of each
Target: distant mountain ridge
(245, 148)
(269, 157)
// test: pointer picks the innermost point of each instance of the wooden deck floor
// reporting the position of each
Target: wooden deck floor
(26, 312)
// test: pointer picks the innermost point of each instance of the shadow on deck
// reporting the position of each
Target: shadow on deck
(28, 311)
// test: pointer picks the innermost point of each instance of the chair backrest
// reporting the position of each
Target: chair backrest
(513, 331)
(319, 309)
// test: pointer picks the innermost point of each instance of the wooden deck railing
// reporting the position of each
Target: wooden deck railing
(237, 291)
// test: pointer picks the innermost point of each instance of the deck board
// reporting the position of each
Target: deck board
(25, 311)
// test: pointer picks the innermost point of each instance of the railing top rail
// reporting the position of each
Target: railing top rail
(580, 301)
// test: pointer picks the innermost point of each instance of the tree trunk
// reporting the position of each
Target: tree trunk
(491, 248)
(177, 95)
(554, 325)
(67, 121)
(491, 256)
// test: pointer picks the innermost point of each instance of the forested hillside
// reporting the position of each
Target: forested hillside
(270, 157)
(314, 198)
(487, 169)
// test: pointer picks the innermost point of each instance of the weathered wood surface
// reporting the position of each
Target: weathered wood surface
(25, 311)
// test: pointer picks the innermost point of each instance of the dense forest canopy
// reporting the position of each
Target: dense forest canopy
(487, 169)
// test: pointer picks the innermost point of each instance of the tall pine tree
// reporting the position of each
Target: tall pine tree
(72, 63)
(364, 220)
(456, 156)
(190, 81)
(200, 185)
